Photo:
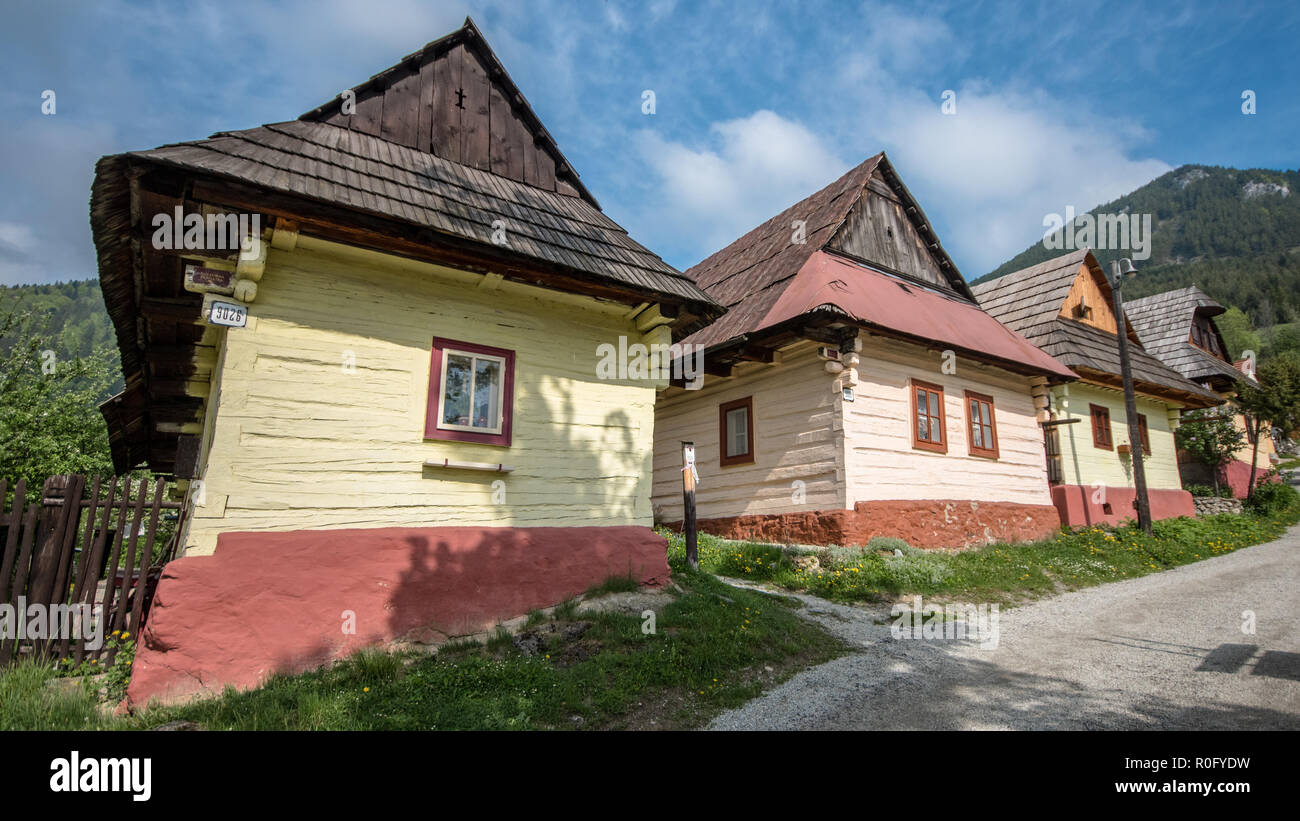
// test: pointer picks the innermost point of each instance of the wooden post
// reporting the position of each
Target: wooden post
(688, 504)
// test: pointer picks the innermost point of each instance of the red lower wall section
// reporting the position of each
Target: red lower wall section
(923, 523)
(1237, 475)
(1077, 508)
(267, 602)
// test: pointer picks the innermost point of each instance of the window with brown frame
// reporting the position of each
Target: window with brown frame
(927, 417)
(736, 432)
(1101, 427)
(981, 426)
(1142, 431)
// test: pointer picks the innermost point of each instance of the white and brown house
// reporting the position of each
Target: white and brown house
(855, 387)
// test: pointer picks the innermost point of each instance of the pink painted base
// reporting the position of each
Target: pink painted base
(267, 602)
(1237, 475)
(922, 523)
(1075, 505)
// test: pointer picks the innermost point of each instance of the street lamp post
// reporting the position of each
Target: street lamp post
(1118, 270)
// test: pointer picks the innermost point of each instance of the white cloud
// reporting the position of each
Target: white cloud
(754, 168)
(1003, 161)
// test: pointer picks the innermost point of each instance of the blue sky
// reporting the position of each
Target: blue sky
(757, 104)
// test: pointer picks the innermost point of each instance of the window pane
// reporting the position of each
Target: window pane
(934, 405)
(455, 398)
(487, 393)
(985, 414)
(923, 427)
(977, 435)
(737, 432)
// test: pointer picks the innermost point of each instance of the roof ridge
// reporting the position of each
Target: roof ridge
(749, 236)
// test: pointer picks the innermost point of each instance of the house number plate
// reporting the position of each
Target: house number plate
(228, 314)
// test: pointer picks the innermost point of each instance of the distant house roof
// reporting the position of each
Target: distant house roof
(766, 280)
(1164, 321)
(1030, 301)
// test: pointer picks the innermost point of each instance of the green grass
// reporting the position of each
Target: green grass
(709, 651)
(33, 698)
(1004, 573)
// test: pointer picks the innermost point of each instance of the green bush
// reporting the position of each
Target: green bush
(915, 572)
(1207, 492)
(890, 544)
(1273, 497)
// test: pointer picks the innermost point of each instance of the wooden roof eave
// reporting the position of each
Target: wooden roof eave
(363, 229)
(1149, 389)
(826, 323)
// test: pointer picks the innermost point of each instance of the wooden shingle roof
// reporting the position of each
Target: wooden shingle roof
(1029, 301)
(750, 275)
(370, 174)
(1163, 321)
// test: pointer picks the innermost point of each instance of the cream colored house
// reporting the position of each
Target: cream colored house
(1064, 306)
(855, 388)
(387, 393)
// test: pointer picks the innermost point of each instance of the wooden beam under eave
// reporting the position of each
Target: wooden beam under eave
(284, 237)
(252, 259)
(712, 367)
(654, 316)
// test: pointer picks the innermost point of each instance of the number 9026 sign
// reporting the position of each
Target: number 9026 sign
(228, 314)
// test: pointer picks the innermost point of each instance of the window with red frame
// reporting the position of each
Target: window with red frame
(1142, 431)
(471, 393)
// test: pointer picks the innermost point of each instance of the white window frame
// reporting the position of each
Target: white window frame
(447, 354)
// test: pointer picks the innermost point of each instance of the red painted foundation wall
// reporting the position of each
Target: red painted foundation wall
(267, 602)
(1077, 508)
(1237, 475)
(922, 523)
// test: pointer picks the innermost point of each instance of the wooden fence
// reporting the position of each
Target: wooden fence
(78, 550)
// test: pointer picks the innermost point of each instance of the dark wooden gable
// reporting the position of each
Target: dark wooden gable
(886, 229)
(454, 99)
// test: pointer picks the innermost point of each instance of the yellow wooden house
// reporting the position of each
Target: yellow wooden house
(1065, 306)
(368, 341)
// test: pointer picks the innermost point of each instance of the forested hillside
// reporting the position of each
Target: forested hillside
(1235, 233)
(58, 361)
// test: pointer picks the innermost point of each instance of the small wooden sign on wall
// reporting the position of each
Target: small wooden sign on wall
(209, 280)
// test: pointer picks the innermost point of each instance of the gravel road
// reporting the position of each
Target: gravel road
(1165, 651)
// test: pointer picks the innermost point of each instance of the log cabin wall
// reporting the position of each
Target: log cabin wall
(796, 437)
(881, 462)
(305, 443)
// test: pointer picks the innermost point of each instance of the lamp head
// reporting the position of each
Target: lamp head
(1126, 268)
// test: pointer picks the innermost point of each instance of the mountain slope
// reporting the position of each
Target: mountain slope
(1235, 233)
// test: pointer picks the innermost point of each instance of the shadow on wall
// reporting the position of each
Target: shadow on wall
(291, 601)
(288, 602)
(590, 456)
